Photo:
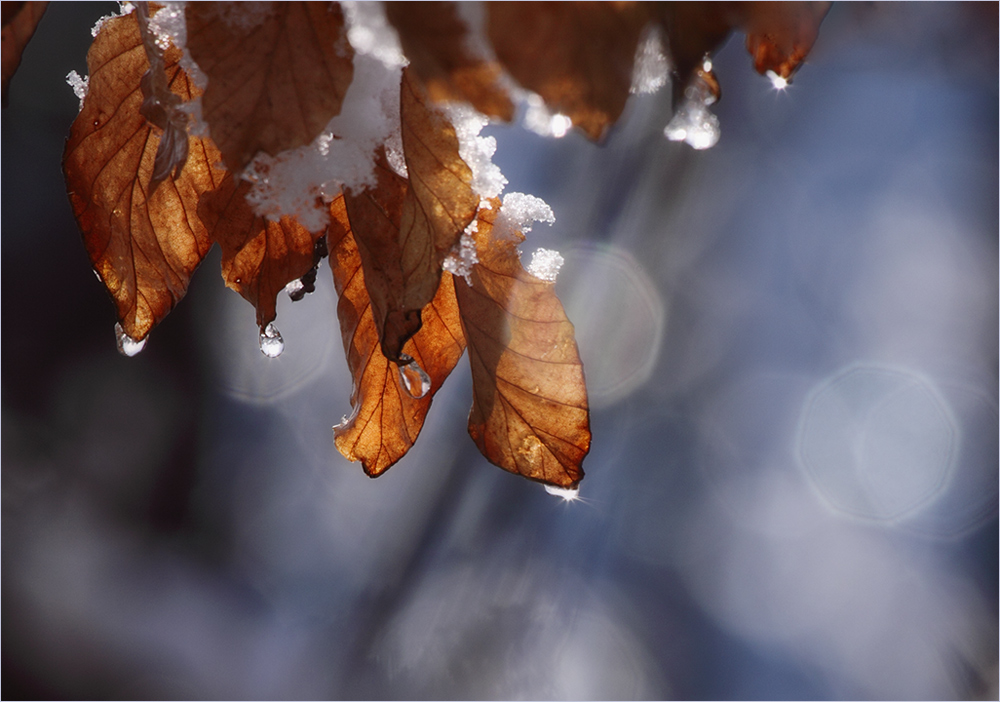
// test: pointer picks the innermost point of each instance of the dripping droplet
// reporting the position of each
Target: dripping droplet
(415, 380)
(127, 346)
(271, 343)
(569, 495)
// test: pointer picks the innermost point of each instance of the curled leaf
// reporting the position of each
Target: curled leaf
(277, 72)
(144, 243)
(259, 257)
(160, 106)
(577, 55)
(530, 413)
(405, 228)
(436, 42)
(20, 19)
(387, 417)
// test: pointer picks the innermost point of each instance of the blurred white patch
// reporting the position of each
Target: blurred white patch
(652, 67)
(568, 495)
(877, 442)
(619, 318)
(540, 120)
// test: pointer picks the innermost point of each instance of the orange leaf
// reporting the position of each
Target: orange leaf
(387, 418)
(405, 229)
(144, 245)
(434, 39)
(20, 19)
(277, 72)
(259, 257)
(529, 413)
(781, 34)
(577, 55)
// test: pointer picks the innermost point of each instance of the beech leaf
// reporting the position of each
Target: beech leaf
(530, 413)
(435, 40)
(259, 257)
(277, 72)
(577, 55)
(386, 417)
(144, 243)
(780, 35)
(405, 229)
(20, 19)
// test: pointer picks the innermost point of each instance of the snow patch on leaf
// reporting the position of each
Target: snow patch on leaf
(370, 33)
(545, 264)
(79, 84)
(124, 8)
(169, 26)
(476, 151)
(463, 257)
(519, 212)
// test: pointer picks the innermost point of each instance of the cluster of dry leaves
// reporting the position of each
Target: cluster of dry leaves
(151, 198)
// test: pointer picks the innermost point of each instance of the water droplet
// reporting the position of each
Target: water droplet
(415, 380)
(568, 494)
(777, 82)
(271, 343)
(127, 346)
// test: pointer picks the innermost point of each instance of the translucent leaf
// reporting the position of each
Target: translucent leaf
(436, 41)
(20, 19)
(529, 414)
(386, 417)
(259, 257)
(577, 55)
(143, 243)
(405, 229)
(277, 72)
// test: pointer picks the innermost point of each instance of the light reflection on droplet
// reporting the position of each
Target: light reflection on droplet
(414, 379)
(777, 82)
(271, 343)
(568, 494)
(127, 346)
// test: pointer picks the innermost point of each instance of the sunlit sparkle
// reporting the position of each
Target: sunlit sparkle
(777, 82)
(569, 495)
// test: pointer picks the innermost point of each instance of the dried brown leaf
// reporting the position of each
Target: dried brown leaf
(529, 414)
(435, 40)
(781, 34)
(277, 72)
(405, 229)
(386, 418)
(144, 245)
(259, 257)
(20, 19)
(577, 55)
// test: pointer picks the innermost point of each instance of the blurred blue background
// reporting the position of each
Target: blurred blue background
(791, 346)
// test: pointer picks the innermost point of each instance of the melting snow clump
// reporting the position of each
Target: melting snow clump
(565, 493)
(651, 64)
(169, 26)
(124, 8)
(519, 212)
(693, 122)
(463, 257)
(538, 118)
(79, 85)
(299, 182)
(476, 151)
(545, 264)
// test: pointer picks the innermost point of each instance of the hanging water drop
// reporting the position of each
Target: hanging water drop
(271, 343)
(415, 380)
(127, 346)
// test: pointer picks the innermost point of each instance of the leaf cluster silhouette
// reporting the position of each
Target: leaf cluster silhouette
(152, 194)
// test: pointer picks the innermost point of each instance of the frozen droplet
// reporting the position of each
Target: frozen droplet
(295, 289)
(568, 494)
(777, 82)
(414, 379)
(538, 118)
(271, 343)
(127, 346)
(693, 123)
